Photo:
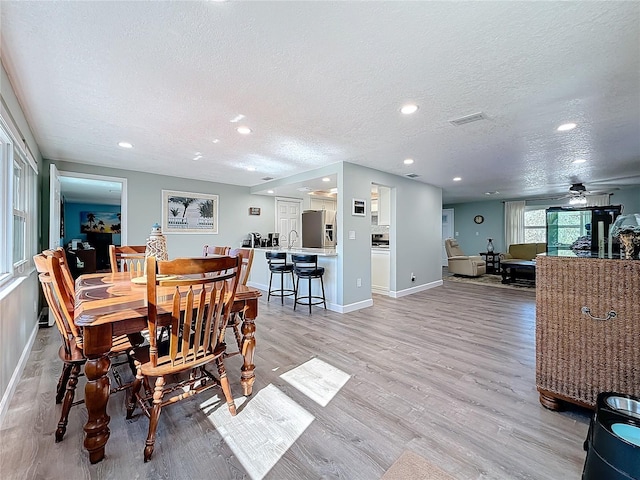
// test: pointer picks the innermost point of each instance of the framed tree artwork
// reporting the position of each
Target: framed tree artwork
(184, 212)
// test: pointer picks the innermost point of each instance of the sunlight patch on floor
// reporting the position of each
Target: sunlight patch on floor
(262, 431)
(318, 380)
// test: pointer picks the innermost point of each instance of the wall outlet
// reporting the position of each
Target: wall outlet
(413, 277)
(358, 282)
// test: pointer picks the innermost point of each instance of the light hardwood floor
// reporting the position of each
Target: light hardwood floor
(448, 373)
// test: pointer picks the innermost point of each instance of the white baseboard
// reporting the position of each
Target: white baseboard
(17, 373)
(352, 307)
(379, 290)
(419, 288)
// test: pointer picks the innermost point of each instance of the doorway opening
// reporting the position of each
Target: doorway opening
(91, 215)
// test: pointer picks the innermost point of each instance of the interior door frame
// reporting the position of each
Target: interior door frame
(283, 241)
(123, 196)
(449, 234)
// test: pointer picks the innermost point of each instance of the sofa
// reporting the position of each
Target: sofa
(461, 264)
(523, 251)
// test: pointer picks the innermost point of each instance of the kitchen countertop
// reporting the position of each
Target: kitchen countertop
(321, 252)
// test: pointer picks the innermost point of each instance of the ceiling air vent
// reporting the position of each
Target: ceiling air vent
(474, 117)
(412, 175)
(266, 179)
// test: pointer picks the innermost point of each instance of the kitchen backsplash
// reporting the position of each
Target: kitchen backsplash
(380, 229)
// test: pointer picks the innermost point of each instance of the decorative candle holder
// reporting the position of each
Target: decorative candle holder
(157, 244)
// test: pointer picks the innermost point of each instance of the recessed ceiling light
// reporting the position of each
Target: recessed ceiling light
(237, 118)
(578, 161)
(457, 179)
(409, 109)
(215, 140)
(491, 193)
(125, 145)
(565, 127)
(408, 161)
(244, 130)
(326, 179)
(197, 157)
(269, 191)
(251, 169)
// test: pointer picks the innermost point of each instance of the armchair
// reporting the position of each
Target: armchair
(461, 264)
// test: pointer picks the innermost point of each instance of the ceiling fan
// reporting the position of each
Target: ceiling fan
(578, 194)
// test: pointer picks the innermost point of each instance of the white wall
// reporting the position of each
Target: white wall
(416, 218)
(415, 233)
(18, 298)
(144, 208)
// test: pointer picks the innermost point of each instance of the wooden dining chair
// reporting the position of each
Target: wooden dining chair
(69, 282)
(192, 297)
(208, 251)
(236, 318)
(53, 286)
(127, 258)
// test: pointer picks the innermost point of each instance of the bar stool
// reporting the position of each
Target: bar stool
(306, 267)
(278, 265)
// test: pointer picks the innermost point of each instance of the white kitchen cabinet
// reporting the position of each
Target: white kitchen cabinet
(384, 206)
(323, 204)
(380, 270)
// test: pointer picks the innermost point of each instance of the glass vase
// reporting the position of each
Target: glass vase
(490, 245)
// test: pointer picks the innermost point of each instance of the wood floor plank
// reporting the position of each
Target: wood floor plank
(448, 373)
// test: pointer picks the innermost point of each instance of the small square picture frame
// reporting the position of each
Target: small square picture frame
(359, 207)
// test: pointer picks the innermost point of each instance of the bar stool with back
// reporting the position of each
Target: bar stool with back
(306, 267)
(278, 265)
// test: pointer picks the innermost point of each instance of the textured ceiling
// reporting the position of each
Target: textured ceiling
(322, 82)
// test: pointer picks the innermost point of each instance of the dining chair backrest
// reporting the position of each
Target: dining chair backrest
(127, 258)
(199, 294)
(52, 282)
(208, 251)
(69, 283)
(247, 260)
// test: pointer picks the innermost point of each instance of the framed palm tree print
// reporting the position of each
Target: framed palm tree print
(184, 212)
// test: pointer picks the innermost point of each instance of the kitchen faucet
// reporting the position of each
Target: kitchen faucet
(294, 240)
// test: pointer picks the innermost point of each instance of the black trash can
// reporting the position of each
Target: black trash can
(613, 441)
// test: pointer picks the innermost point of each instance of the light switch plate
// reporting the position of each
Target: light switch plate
(352, 234)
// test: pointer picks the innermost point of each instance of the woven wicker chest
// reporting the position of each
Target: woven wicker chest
(587, 329)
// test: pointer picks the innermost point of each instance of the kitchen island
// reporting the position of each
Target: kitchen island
(327, 258)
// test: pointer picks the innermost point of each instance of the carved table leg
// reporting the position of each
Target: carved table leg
(248, 347)
(96, 396)
(97, 343)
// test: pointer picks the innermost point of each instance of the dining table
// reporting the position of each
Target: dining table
(111, 304)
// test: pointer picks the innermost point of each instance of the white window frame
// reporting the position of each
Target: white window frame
(13, 153)
(536, 227)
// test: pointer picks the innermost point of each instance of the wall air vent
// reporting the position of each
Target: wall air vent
(411, 175)
(266, 179)
(474, 117)
(303, 189)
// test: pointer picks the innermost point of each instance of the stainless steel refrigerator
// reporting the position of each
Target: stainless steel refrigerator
(318, 229)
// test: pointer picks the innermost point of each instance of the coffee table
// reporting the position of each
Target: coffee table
(513, 270)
